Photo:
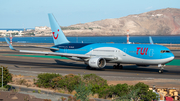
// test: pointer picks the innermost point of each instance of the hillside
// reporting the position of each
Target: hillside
(158, 22)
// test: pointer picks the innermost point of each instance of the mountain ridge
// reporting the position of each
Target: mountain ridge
(157, 22)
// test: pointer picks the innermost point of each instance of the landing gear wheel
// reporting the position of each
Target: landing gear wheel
(118, 66)
(115, 67)
(161, 68)
(160, 71)
(121, 67)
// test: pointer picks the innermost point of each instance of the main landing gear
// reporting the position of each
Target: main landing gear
(118, 66)
(161, 68)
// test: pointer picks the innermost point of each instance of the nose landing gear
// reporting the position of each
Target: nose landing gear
(161, 68)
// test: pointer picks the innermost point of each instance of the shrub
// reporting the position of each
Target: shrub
(94, 79)
(105, 91)
(121, 89)
(117, 90)
(98, 83)
(138, 92)
(7, 77)
(144, 93)
(131, 96)
(45, 79)
(69, 82)
(83, 91)
(55, 81)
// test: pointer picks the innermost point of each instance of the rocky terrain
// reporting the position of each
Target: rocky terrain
(158, 22)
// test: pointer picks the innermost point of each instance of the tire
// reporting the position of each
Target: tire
(160, 71)
(114, 67)
(121, 67)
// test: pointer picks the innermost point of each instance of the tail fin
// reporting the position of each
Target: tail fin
(10, 46)
(58, 35)
(150, 39)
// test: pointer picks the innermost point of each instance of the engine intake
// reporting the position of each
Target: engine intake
(97, 62)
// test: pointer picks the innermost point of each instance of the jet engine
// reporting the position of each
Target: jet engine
(97, 62)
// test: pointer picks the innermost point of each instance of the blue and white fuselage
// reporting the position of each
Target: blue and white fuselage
(142, 54)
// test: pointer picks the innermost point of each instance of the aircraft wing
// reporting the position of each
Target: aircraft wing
(83, 56)
(56, 53)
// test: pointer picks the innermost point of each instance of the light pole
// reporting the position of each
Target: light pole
(2, 77)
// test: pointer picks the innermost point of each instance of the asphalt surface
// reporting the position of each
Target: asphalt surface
(34, 66)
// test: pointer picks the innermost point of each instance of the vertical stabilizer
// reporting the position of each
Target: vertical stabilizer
(151, 41)
(58, 35)
(10, 46)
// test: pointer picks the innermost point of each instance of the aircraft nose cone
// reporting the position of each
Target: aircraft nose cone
(171, 58)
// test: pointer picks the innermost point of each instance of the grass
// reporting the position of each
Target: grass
(175, 62)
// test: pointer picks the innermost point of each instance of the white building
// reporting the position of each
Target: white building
(42, 28)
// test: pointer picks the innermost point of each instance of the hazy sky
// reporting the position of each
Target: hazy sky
(31, 13)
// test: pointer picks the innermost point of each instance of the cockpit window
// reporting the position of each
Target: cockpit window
(165, 51)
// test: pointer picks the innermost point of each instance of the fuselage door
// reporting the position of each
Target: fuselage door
(65, 49)
(151, 52)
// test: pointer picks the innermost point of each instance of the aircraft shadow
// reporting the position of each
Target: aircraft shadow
(69, 63)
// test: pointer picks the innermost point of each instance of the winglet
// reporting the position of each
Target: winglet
(10, 46)
(150, 39)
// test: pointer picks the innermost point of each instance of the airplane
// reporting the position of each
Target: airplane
(96, 55)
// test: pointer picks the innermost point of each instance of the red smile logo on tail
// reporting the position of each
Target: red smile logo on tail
(54, 35)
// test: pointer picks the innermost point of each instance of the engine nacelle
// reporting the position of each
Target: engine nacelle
(97, 62)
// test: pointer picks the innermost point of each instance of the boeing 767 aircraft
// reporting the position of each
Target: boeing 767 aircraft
(96, 55)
